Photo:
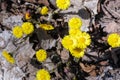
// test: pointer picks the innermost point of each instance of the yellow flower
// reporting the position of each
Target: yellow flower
(74, 32)
(43, 75)
(17, 32)
(114, 40)
(63, 4)
(41, 55)
(83, 40)
(44, 10)
(77, 52)
(27, 16)
(8, 57)
(75, 23)
(46, 26)
(68, 42)
(27, 27)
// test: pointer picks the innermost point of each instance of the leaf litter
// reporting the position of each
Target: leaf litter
(100, 62)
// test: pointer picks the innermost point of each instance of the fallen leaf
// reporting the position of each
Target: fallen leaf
(64, 54)
(112, 27)
(45, 2)
(87, 68)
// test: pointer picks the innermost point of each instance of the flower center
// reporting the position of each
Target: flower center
(76, 22)
(26, 27)
(77, 50)
(115, 40)
(70, 42)
(43, 77)
(82, 40)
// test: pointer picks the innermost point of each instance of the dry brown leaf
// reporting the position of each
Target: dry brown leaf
(87, 68)
(93, 73)
(45, 2)
(103, 63)
(112, 27)
(3, 5)
(64, 54)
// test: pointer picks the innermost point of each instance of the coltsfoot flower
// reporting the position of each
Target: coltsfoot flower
(63, 4)
(44, 10)
(74, 32)
(27, 27)
(114, 40)
(83, 40)
(8, 57)
(17, 32)
(68, 42)
(75, 23)
(46, 26)
(43, 74)
(41, 55)
(77, 52)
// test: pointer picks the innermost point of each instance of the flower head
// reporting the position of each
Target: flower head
(27, 16)
(75, 23)
(8, 57)
(63, 4)
(17, 32)
(41, 55)
(77, 52)
(46, 26)
(68, 42)
(74, 32)
(83, 40)
(27, 27)
(114, 40)
(43, 75)
(44, 10)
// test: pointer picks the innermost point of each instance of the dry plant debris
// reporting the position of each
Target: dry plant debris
(59, 39)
